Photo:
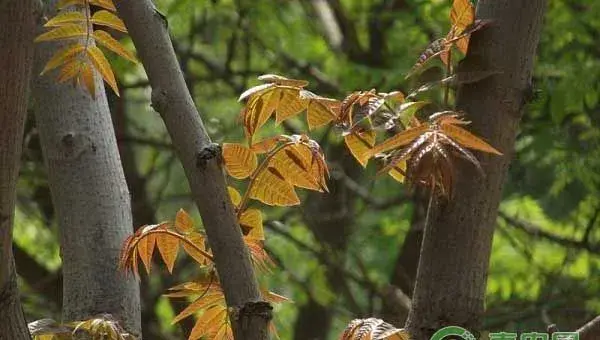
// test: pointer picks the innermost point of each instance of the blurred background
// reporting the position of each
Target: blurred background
(347, 254)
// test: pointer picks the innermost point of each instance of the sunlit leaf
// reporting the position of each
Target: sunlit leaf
(401, 139)
(360, 145)
(280, 80)
(68, 31)
(373, 329)
(239, 160)
(462, 15)
(398, 172)
(198, 240)
(106, 40)
(467, 139)
(252, 223)
(270, 187)
(146, 250)
(106, 4)
(289, 105)
(297, 164)
(103, 66)
(183, 222)
(211, 318)
(86, 77)
(108, 19)
(62, 56)
(66, 18)
(167, 247)
(266, 144)
(236, 198)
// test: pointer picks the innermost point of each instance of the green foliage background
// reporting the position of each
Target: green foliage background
(545, 274)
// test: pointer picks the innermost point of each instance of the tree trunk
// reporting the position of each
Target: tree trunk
(17, 30)
(201, 162)
(451, 278)
(90, 196)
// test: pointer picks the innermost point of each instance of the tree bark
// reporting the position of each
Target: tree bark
(17, 30)
(451, 278)
(201, 162)
(89, 193)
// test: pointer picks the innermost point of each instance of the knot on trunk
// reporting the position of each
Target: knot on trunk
(209, 152)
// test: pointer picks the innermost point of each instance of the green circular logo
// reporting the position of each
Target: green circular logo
(453, 331)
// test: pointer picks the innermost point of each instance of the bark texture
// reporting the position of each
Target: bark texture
(454, 260)
(89, 193)
(201, 162)
(17, 30)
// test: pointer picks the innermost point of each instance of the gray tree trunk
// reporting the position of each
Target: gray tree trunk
(90, 195)
(17, 30)
(451, 279)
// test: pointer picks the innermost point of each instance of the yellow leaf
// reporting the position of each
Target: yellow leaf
(319, 113)
(204, 301)
(289, 105)
(297, 165)
(462, 14)
(212, 317)
(280, 80)
(167, 247)
(66, 18)
(252, 223)
(265, 145)
(239, 160)
(359, 144)
(103, 38)
(259, 109)
(255, 91)
(106, 4)
(271, 188)
(398, 172)
(146, 249)
(260, 259)
(198, 240)
(108, 19)
(69, 70)
(401, 139)
(465, 138)
(183, 222)
(62, 56)
(236, 198)
(274, 297)
(68, 31)
(86, 77)
(103, 66)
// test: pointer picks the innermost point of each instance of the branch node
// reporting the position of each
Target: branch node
(211, 151)
(158, 100)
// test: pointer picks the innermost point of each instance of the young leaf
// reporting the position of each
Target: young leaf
(104, 39)
(197, 239)
(70, 70)
(183, 222)
(401, 139)
(236, 198)
(103, 66)
(289, 105)
(167, 247)
(266, 144)
(239, 160)
(251, 223)
(68, 31)
(146, 250)
(320, 110)
(467, 139)
(63, 18)
(108, 19)
(62, 56)
(271, 188)
(461, 16)
(106, 4)
(296, 164)
(212, 317)
(86, 76)
(372, 328)
(398, 172)
(279, 80)
(360, 144)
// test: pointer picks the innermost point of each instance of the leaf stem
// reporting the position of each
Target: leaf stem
(176, 235)
(448, 73)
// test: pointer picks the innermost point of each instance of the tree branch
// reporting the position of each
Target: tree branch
(200, 160)
(591, 330)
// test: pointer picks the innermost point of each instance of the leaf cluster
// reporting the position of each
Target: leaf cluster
(76, 26)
